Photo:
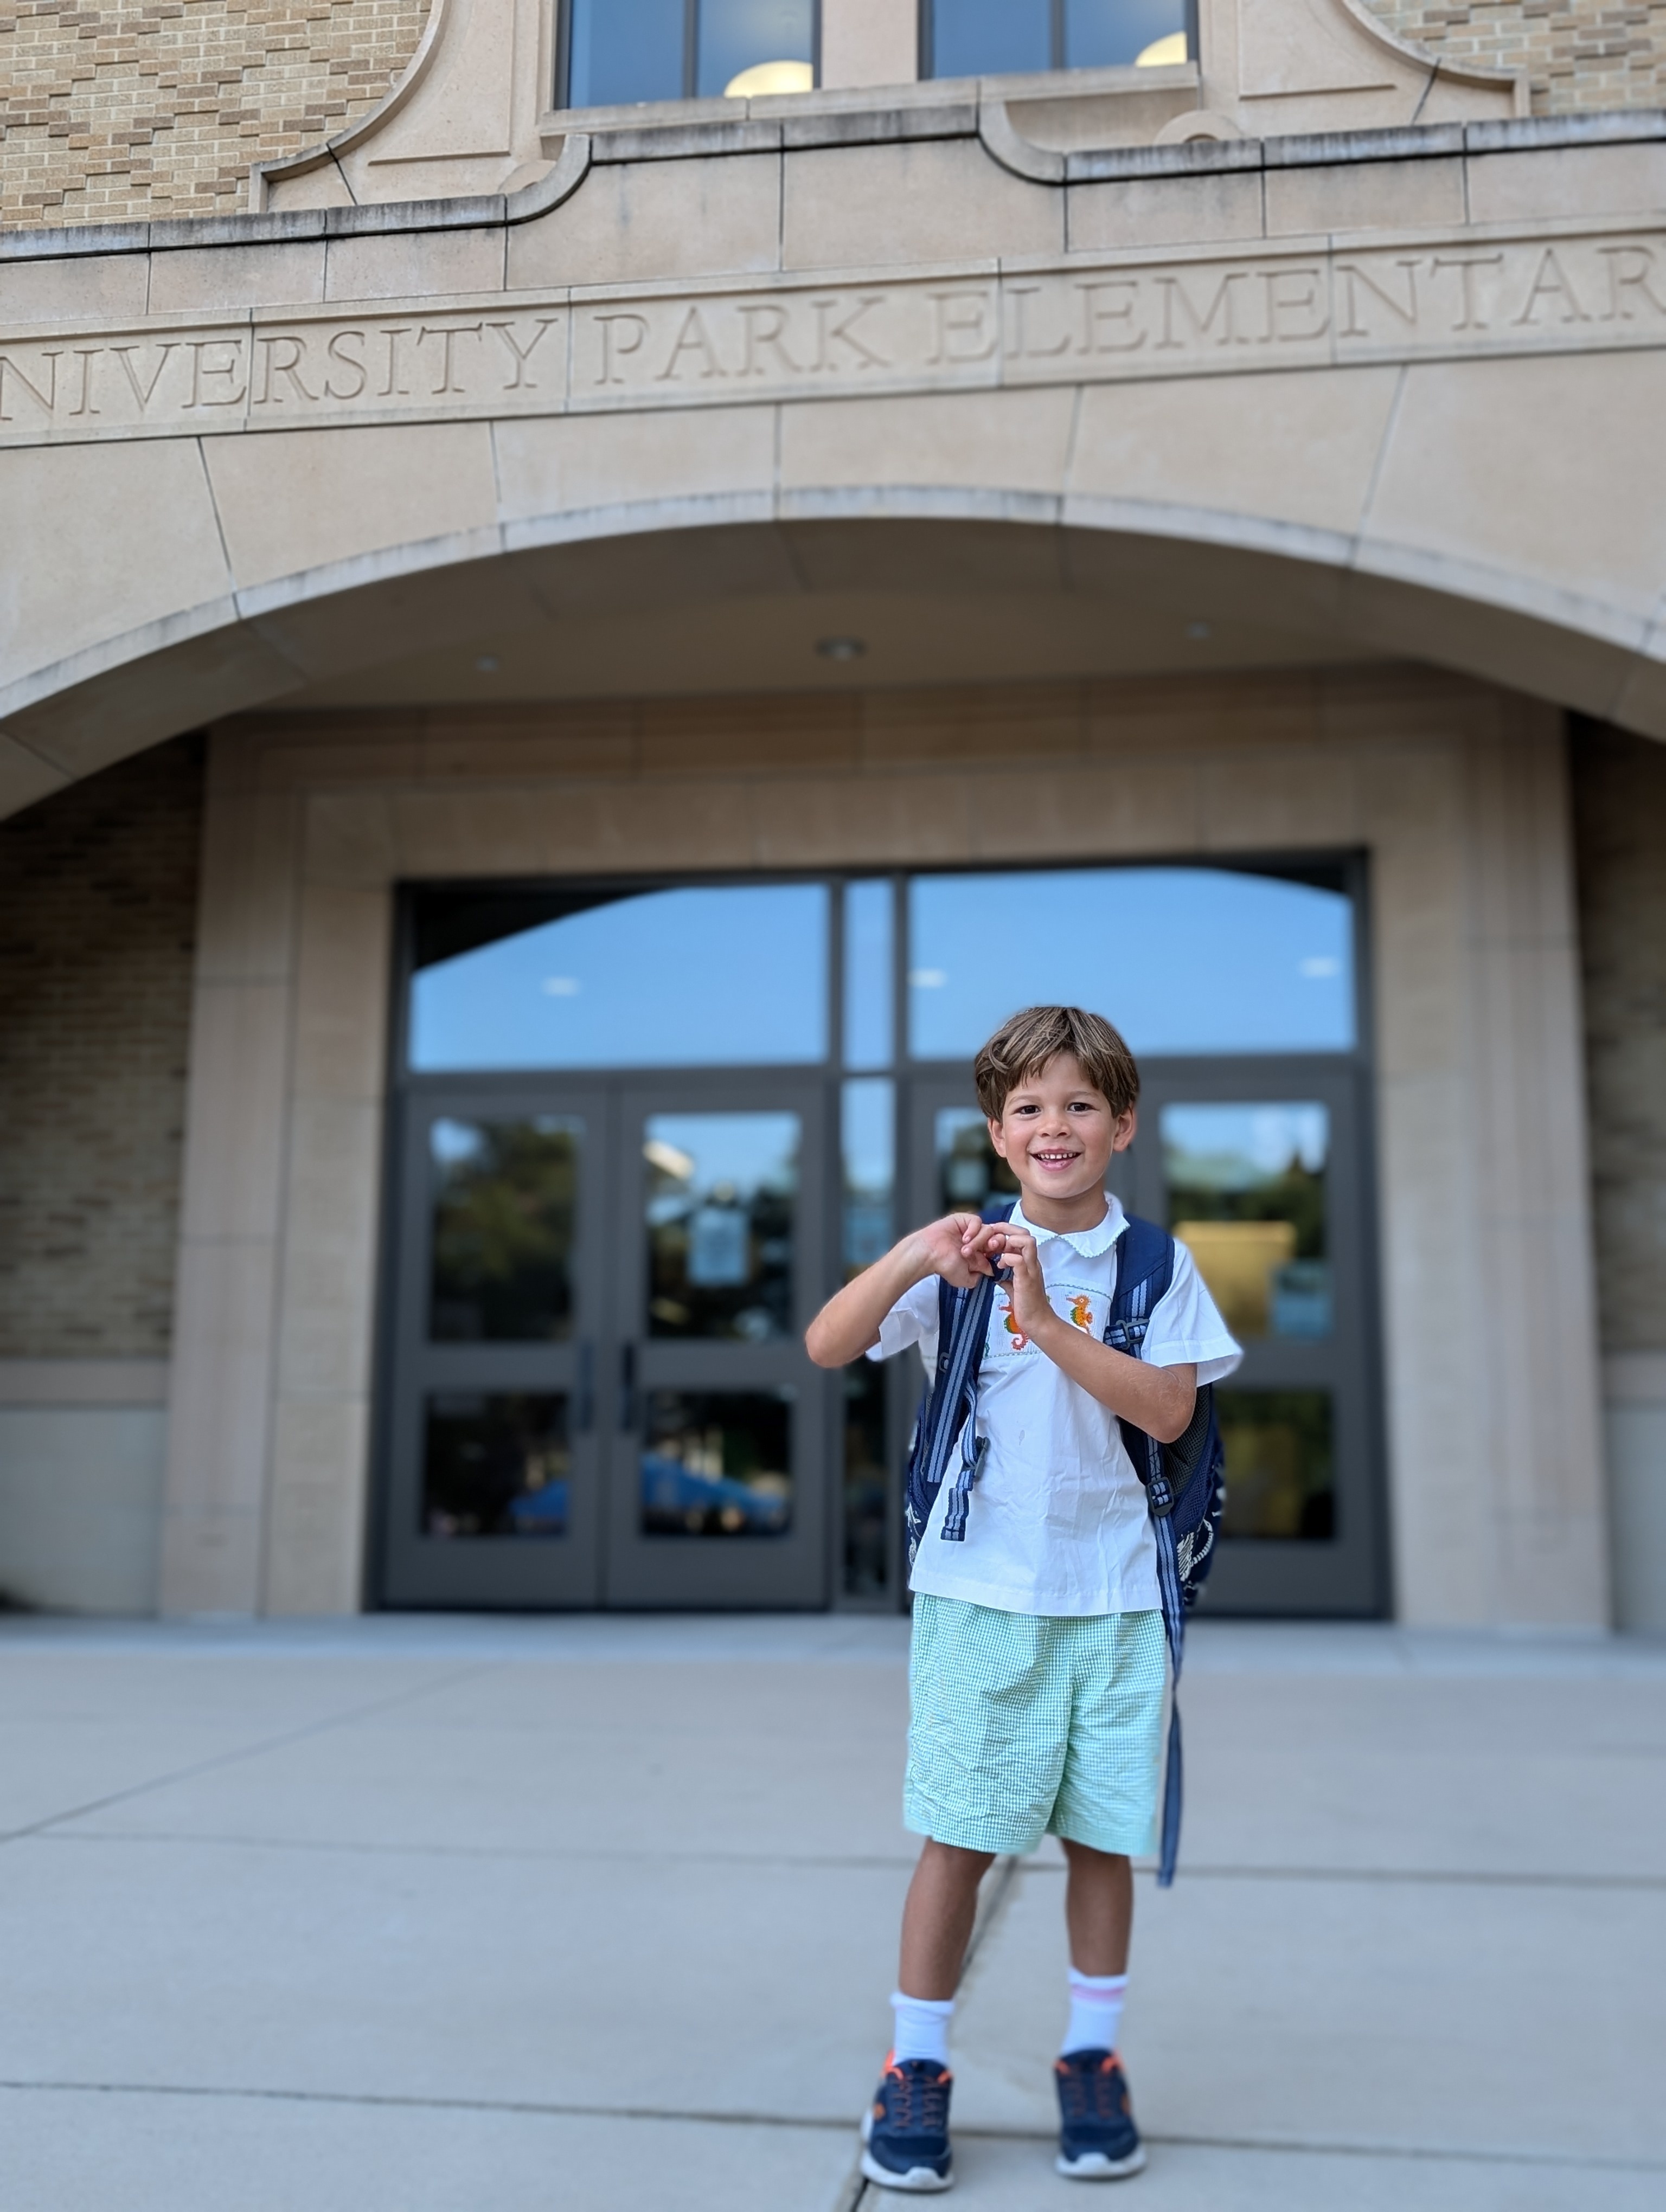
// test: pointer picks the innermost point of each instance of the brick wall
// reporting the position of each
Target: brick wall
(158, 107)
(1578, 53)
(1620, 818)
(98, 898)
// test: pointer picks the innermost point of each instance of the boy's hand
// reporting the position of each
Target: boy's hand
(953, 1250)
(999, 1245)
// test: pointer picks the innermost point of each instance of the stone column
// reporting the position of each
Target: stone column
(233, 1198)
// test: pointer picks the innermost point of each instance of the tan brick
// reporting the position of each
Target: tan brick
(98, 905)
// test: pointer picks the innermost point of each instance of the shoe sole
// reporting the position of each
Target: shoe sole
(1094, 2165)
(920, 2179)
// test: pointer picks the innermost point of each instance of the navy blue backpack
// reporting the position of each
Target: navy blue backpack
(1185, 1489)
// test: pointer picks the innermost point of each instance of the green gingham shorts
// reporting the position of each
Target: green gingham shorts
(1027, 1725)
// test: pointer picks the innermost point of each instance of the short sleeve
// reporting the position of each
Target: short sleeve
(912, 1319)
(1186, 1328)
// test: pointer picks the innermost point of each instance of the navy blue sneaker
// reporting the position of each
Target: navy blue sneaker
(1098, 2139)
(905, 2131)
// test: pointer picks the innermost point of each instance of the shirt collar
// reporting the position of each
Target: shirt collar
(1088, 1242)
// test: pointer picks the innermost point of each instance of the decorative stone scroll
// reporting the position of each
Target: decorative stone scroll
(1134, 317)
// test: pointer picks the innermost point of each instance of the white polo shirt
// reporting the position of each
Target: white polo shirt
(1057, 1522)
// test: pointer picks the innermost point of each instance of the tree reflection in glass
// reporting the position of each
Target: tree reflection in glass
(504, 1199)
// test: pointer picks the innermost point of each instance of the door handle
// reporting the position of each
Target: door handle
(584, 1394)
(627, 1386)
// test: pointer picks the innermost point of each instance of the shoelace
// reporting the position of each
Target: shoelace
(920, 2104)
(1094, 2094)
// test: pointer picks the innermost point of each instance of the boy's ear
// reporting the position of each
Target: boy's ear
(1126, 1127)
(998, 1138)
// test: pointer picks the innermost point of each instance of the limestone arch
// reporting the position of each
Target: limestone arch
(169, 581)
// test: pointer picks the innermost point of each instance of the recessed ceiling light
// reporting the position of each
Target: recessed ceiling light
(841, 649)
(487, 664)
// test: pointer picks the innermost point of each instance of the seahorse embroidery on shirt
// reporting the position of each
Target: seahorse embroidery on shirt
(1081, 1310)
(1009, 1322)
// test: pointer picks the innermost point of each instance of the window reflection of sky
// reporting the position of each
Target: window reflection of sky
(705, 976)
(1183, 960)
(867, 974)
(745, 1153)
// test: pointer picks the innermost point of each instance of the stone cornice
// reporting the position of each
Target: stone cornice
(881, 125)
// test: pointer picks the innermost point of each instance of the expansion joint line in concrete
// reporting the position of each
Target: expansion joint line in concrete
(1279, 2145)
(244, 1752)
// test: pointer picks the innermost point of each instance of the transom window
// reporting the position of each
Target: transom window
(614, 53)
(987, 37)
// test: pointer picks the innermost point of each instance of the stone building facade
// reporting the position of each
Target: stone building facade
(1229, 472)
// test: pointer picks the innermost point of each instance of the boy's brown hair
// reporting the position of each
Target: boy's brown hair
(1025, 1042)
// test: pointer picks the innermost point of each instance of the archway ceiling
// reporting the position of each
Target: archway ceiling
(740, 606)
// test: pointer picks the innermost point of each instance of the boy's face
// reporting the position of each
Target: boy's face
(1057, 1133)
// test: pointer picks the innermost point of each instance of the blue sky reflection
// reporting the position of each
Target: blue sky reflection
(1183, 960)
(705, 976)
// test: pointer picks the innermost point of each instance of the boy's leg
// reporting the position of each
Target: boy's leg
(1098, 1908)
(937, 1919)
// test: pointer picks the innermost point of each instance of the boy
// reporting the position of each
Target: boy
(1036, 1675)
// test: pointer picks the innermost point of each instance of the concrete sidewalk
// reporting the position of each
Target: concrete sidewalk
(600, 1914)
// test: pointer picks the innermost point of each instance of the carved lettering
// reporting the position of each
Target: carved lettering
(1076, 321)
(1174, 288)
(86, 355)
(142, 391)
(844, 333)
(1352, 276)
(1294, 291)
(694, 339)
(207, 371)
(1550, 283)
(449, 334)
(1024, 345)
(964, 328)
(521, 354)
(393, 384)
(281, 356)
(1630, 268)
(618, 342)
(46, 400)
(765, 327)
(1099, 317)
(1466, 265)
(336, 352)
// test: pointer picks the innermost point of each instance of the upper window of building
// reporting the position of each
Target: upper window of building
(696, 976)
(614, 51)
(1183, 960)
(986, 38)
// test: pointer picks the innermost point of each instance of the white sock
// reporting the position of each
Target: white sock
(922, 2027)
(1096, 2012)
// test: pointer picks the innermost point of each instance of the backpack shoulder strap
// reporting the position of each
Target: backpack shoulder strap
(1145, 1269)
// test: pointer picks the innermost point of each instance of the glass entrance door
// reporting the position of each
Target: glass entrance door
(1256, 1167)
(601, 1390)
(718, 1496)
(495, 1475)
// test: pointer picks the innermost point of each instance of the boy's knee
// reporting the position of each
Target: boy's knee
(955, 1860)
(1085, 1855)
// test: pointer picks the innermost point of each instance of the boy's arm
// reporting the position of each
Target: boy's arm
(1159, 1399)
(848, 1324)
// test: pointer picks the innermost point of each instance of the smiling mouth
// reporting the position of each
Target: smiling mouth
(1055, 1160)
